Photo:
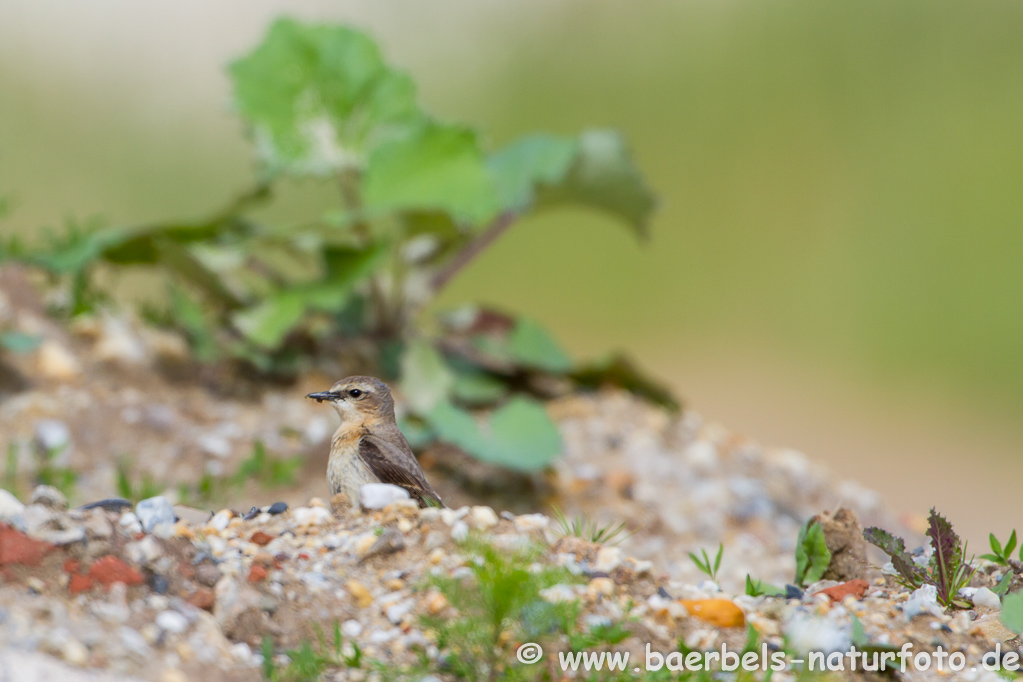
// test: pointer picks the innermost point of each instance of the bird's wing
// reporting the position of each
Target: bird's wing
(394, 464)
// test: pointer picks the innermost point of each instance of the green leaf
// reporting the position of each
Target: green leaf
(319, 98)
(268, 323)
(1002, 588)
(895, 548)
(17, 342)
(436, 167)
(520, 435)
(530, 345)
(603, 176)
(477, 388)
(757, 588)
(618, 370)
(526, 163)
(425, 377)
(858, 635)
(1012, 612)
(812, 554)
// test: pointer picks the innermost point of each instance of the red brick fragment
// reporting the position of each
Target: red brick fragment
(857, 588)
(18, 548)
(79, 583)
(72, 566)
(109, 570)
(262, 539)
(257, 574)
(202, 598)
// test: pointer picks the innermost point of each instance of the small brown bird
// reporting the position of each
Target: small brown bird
(369, 447)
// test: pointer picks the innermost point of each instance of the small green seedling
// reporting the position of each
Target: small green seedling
(758, 588)
(586, 528)
(812, 554)
(705, 565)
(1002, 554)
(1012, 612)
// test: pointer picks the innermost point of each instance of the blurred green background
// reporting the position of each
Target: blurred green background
(836, 263)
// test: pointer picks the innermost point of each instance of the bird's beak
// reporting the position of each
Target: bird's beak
(325, 395)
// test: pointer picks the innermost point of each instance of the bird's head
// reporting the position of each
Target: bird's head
(359, 399)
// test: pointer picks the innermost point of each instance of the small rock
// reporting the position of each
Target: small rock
(10, 507)
(260, 538)
(922, 600)
(528, 523)
(362, 596)
(49, 497)
(154, 511)
(130, 524)
(74, 652)
(351, 628)
(133, 641)
(389, 542)
(54, 361)
(207, 574)
(837, 593)
(460, 531)
(215, 445)
(171, 621)
(277, 508)
(98, 526)
(809, 633)
(843, 536)
(109, 570)
(202, 598)
(608, 559)
(220, 520)
(144, 552)
(310, 516)
(379, 495)
(118, 344)
(110, 504)
(987, 598)
(484, 517)
(397, 612)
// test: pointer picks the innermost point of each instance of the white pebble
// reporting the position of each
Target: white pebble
(171, 621)
(130, 524)
(530, 522)
(351, 628)
(10, 507)
(985, 597)
(608, 559)
(220, 520)
(379, 495)
(484, 517)
(310, 516)
(460, 531)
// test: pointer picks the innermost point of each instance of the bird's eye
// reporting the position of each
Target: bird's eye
(355, 393)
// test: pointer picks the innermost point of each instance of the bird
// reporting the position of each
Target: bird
(369, 447)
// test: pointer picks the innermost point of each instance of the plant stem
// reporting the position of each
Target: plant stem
(471, 250)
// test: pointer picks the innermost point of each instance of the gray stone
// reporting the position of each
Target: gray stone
(49, 497)
(154, 511)
(379, 495)
(171, 621)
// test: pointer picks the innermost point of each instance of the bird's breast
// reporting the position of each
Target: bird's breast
(346, 471)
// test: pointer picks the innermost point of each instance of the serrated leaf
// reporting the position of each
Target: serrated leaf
(532, 346)
(812, 554)
(319, 97)
(519, 436)
(528, 162)
(1012, 612)
(895, 548)
(948, 554)
(17, 342)
(425, 378)
(603, 176)
(435, 167)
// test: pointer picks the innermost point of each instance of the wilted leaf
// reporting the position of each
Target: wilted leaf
(528, 162)
(16, 342)
(319, 97)
(618, 370)
(530, 345)
(425, 377)
(895, 548)
(603, 176)
(520, 435)
(812, 554)
(436, 167)
(1012, 612)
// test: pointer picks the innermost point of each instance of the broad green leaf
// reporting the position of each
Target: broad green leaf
(17, 342)
(434, 168)
(529, 344)
(812, 554)
(603, 176)
(477, 388)
(520, 435)
(1012, 612)
(528, 162)
(268, 323)
(425, 378)
(319, 97)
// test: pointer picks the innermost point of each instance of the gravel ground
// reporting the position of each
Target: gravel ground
(95, 594)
